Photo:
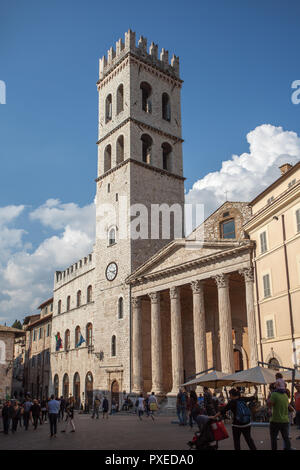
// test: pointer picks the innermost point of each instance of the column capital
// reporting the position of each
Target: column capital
(174, 292)
(248, 274)
(222, 280)
(154, 297)
(197, 287)
(136, 302)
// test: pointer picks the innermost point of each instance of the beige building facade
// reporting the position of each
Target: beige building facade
(275, 229)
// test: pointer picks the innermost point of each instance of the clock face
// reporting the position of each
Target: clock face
(111, 271)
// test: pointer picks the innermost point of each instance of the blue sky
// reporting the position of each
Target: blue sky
(237, 58)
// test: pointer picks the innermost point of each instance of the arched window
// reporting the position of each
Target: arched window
(166, 156)
(113, 346)
(146, 93)
(59, 307)
(78, 303)
(107, 158)
(68, 302)
(166, 107)
(67, 340)
(77, 335)
(56, 385)
(112, 236)
(89, 295)
(89, 334)
(273, 364)
(146, 148)
(120, 307)
(120, 99)
(108, 108)
(227, 229)
(66, 386)
(120, 149)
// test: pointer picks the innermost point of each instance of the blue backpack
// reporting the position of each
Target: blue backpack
(243, 414)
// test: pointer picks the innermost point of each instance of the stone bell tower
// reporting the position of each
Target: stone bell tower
(139, 165)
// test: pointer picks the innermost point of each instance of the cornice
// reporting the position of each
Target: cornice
(144, 165)
(143, 124)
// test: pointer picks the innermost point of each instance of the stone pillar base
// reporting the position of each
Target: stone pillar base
(171, 401)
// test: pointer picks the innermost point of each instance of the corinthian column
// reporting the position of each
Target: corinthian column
(199, 326)
(225, 324)
(137, 345)
(156, 346)
(176, 340)
(252, 336)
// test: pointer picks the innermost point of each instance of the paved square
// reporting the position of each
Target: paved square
(124, 432)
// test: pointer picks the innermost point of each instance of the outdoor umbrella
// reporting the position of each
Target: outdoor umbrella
(213, 379)
(255, 376)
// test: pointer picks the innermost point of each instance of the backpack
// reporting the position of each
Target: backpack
(243, 414)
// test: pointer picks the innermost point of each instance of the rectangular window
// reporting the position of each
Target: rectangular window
(270, 328)
(48, 329)
(298, 220)
(267, 288)
(228, 229)
(34, 335)
(40, 333)
(263, 242)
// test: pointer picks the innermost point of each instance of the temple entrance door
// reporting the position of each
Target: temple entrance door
(89, 389)
(76, 388)
(115, 392)
(238, 360)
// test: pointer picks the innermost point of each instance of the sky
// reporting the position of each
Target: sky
(238, 61)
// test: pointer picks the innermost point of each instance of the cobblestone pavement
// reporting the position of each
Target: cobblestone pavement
(124, 432)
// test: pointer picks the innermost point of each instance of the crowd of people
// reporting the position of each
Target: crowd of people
(36, 412)
(208, 408)
(192, 410)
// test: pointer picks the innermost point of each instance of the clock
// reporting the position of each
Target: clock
(111, 271)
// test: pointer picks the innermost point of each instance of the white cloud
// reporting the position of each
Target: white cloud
(246, 175)
(27, 276)
(10, 237)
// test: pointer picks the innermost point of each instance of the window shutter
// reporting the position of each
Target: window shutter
(298, 220)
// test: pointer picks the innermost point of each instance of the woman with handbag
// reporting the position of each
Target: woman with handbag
(153, 404)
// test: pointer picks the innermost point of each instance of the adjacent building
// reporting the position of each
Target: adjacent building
(275, 229)
(37, 351)
(8, 336)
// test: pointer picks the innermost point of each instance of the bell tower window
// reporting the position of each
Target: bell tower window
(166, 107)
(120, 99)
(120, 149)
(146, 93)
(108, 108)
(107, 158)
(166, 156)
(146, 148)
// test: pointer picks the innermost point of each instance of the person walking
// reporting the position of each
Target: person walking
(140, 406)
(53, 412)
(279, 421)
(62, 408)
(96, 408)
(35, 412)
(7, 413)
(241, 423)
(181, 406)
(208, 402)
(297, 407)
(44, 410)
(105, 408)
(16, 416)
(153, 404)
(26, 414)
(69, 408)
(191, 406)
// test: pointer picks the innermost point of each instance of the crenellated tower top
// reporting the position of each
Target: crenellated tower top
(122, 49)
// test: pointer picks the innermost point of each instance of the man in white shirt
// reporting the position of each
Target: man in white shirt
(53, 410)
